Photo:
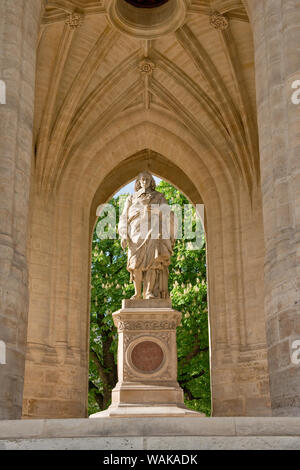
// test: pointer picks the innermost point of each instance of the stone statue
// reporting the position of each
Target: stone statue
(147, 227)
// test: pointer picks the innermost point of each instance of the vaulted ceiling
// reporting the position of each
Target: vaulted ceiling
(202, 75)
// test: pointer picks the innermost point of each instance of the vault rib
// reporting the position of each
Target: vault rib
(234, 9)
(70, 104)
(244, 100)
(102, 121)
(195, 90)
(48, 114)
(227, 107)
(189, 121)
(94, 98)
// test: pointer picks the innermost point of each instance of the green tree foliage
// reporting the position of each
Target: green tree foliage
(188, 290)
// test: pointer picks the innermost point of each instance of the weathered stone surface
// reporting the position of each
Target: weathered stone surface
(147, 366)
(192, 117)
(146, 303)
(224, 443)
(19, 26)
(37, 429)
(92, 443)
(152, 433)
(276, 29)
(152, 443)
(149, 233)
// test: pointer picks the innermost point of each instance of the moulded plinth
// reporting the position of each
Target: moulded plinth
(147, 362)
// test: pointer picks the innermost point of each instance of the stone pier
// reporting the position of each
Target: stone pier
(19, 27)
(276, 30)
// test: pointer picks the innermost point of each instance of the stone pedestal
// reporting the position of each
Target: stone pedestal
(147, 361)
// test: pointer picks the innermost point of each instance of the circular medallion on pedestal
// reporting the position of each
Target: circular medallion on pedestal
(147, 356)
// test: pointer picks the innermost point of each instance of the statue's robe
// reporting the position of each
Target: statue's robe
(144, 229)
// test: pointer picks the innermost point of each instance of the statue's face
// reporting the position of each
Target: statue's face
(145, 181)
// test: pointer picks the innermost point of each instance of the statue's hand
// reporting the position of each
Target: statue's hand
(123, 243)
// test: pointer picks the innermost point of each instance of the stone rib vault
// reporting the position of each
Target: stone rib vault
(206, 106)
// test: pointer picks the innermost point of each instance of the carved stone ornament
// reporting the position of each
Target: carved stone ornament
(147, 354)
(146, 67)
(147, 325)
(74, 20)
(147, 227)
(218, 21)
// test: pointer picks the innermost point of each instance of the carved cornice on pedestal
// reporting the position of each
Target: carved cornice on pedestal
(146, 325)
(153, 320)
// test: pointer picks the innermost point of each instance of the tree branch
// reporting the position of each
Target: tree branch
(98, 395)
(101, 369)
(196, 350)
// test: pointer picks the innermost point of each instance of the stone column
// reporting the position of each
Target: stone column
(19, 26)
(276, 29)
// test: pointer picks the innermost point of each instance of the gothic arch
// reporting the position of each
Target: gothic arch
(62, 223)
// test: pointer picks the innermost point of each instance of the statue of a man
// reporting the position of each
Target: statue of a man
(147, 228)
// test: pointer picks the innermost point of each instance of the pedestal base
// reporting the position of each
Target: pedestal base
(145, 393)
(147, 362)
(151, 434)
(147, 410)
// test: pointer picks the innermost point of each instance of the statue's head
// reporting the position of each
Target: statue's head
(144, 180)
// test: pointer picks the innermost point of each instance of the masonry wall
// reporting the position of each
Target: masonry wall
(276, 29)
(57, 356)
(19, 27)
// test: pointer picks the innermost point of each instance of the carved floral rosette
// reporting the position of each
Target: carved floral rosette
(218, 21)
(74, 20)
(146, 67)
